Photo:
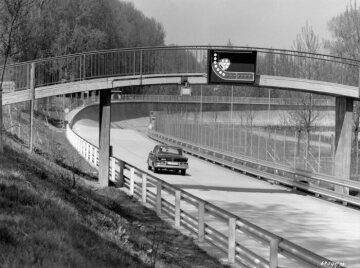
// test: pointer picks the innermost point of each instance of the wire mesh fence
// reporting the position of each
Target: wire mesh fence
(313, 152)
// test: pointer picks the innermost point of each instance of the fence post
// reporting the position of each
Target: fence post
(158, 196)
(86, 151)
(82, 147)
(96, 157)
(274, 249)
(258, 145)
(284, 152)
(32, 105)
(141, 63)
(177, 208)
(201, 221)
(319, 153)
(245, 140)
(132, 180)
(295, 148)
(143, 188)
(121, 173)
(231, 240)
(113, 169)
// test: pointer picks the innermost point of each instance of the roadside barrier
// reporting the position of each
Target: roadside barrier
(227, 232)
(268, 170)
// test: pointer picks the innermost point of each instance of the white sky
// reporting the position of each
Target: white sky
(261, 23)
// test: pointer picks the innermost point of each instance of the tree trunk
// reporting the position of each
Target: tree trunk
(307, 147)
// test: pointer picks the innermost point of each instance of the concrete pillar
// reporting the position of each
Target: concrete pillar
(343, 132)
(90, 96)
(78, 97)
(104, 137)
(82, 98)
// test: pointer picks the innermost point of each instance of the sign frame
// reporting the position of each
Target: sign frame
(228, 66)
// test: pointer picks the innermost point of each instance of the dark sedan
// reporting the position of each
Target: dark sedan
(167, 157)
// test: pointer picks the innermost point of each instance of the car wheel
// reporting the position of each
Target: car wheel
(183, 172)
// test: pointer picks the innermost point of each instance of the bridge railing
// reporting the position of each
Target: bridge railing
(175, 59)
(227, 232)
(220, 99)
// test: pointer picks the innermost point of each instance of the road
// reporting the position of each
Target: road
(326, 228)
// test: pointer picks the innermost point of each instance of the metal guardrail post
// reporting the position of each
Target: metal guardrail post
(121, 172)
(92, 155)
(232, 240)
(274, 249)
(134, 62)
(201, 221)
(158, 197)
(132, 181)
(143, 188)
(177, 208)
(86, 151)
(113, 169)
(141, 63)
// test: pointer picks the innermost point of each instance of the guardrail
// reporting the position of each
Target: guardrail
(280, 173)
(221, 99)
(198, 216)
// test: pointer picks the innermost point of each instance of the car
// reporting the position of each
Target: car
(167, 157)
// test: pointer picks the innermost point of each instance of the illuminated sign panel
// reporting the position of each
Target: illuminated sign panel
(231, 66)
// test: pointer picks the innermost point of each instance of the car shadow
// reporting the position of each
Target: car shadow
(171, 172)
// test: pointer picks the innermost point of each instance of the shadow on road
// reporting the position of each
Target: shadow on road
(232, 189)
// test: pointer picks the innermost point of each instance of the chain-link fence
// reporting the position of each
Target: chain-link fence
(50, 111)
(313, 152)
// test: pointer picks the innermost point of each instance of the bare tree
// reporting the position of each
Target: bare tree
(304, 117)
(12, 13)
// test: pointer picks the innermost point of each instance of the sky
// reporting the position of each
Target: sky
(258, 23)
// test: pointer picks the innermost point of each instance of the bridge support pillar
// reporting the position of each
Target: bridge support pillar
(104, 137)
(82, 98)
(343, 133)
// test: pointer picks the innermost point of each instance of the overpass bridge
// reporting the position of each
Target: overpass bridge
(106, 70)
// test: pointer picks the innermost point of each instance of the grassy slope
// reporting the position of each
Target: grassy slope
(48, 221)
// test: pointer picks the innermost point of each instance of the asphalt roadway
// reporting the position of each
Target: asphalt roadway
(326, 228)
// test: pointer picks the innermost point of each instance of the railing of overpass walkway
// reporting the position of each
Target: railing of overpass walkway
(220, 99)
(241, 240)
(174, 59)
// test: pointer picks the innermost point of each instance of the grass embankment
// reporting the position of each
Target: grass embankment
(52, 215)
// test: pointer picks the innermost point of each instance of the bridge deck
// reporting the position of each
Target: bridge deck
(267, 81)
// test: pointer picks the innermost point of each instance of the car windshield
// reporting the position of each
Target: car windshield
(170, 150)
